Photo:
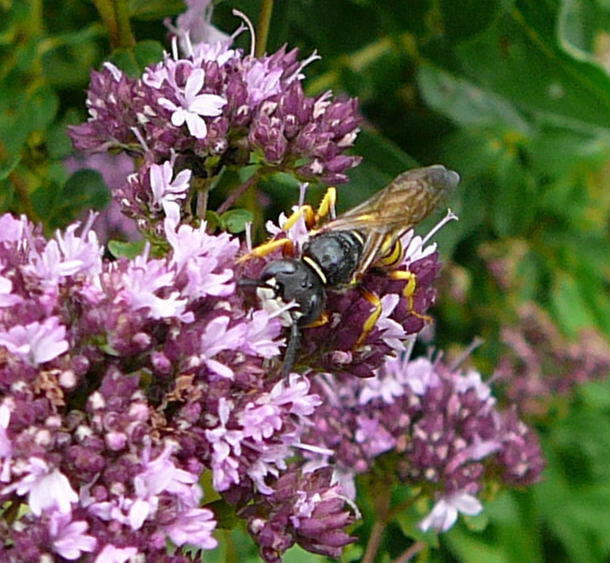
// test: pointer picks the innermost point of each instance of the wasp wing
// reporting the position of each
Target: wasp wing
(406, 201)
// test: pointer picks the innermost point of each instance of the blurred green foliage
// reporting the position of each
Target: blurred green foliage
(514, 94)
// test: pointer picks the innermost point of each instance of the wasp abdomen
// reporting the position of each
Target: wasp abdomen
(335, 255)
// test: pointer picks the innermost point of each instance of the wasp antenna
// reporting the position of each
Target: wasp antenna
(250, 282)
(291, 350)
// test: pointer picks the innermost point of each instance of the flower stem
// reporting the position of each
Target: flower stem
(410, 552)
(382, 505)
(115, 15)
(237, 193)
(262, 27)
(374, 541)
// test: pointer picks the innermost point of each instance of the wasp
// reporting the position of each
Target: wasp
(339, 253)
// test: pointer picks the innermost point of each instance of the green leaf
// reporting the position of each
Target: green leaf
(568, 305)
(581, 26)
(85, 189)
(8, 166)
(467, 18)
(467, 104)
(148, 52)
(520, 58)
(212, 219)
(155, 9)
(120, 249)
(235, 220)
(125, 59)
(224, 513)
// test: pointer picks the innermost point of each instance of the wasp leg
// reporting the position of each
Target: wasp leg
(320, 321)
(409, 291)
(304, 211)
(293, 347)
(267, 248)
(327, 205)
(370, 322)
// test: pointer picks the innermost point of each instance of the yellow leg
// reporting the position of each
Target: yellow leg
(327, 205)
(408, 291)
(321, 321)
(371, 321)
(304, 210)
(267, 248)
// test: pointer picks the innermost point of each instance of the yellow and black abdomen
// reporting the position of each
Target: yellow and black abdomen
(391, 253)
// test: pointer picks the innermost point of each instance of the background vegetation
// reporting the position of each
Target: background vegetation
(513, 94)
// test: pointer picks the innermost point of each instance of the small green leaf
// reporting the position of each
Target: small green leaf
(148, 52)
(225, 514)
(235, 220)
(125, 59)
(212, 219)
(120, 249)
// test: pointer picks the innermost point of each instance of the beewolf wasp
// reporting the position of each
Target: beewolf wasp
(339, 253)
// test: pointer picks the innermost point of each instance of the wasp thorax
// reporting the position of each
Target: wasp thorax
(335, 255)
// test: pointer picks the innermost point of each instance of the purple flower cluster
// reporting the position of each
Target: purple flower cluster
(216, 107)
(442, 426)
(121, 383)
(541, 363)
(306, 508)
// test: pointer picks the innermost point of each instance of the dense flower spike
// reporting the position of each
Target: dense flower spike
(541, 363)
(304, 508)
(442, 425)
(122, 382)
(218, 102)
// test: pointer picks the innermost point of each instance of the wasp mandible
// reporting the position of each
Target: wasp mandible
(339, 253)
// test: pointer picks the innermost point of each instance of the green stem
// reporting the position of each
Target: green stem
(115, 15)
(262, 27)
(237, 193)
(411, 552)
(382, 506)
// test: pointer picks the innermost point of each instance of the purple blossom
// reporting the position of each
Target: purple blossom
(46, 488)
(443, 427)
(445, 512)
(37, 342)
(141, 282)
(112, 554)
(217, 102)
(539, 362)
(195, 24)
(166, 188)
(304, 508)
(68, 536)
(190, 105)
